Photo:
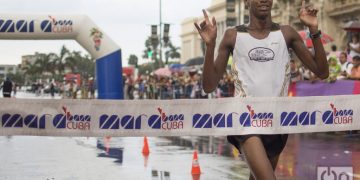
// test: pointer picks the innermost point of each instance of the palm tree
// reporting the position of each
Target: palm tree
(80, 64)
(172, 52)
(31, 71)
(60, 60)
(45, 63)
(133, 60)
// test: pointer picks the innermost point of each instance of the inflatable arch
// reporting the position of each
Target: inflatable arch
(76, 27)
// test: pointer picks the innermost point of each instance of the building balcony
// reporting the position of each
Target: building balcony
(339, 8)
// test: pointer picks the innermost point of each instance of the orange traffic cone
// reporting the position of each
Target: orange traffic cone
(145, 149)
(195, 170)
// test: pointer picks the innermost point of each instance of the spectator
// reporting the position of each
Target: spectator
(355, 71)
(354, 46)
(345, 66)
(294, 72)
(7, 87)
(333, 52)
(334, 70)
(52, 89)
(130, 87)
(356, 60)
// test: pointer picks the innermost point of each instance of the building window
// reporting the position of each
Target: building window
(246, 19)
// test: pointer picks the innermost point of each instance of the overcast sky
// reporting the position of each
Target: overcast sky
(127, 22)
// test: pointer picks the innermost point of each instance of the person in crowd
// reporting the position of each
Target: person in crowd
(354, 45)
(52, 89)
(294, 72)
(355, 70)
(334, 70)
(7, 87)
(333, 52)
(130, 87)
(345, 66)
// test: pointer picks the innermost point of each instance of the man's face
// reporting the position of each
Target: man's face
(260, 8)
(343, 58)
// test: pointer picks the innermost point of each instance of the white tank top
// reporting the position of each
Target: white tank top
(261, 68)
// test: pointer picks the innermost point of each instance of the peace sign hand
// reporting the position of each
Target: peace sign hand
(207, 30)
(307, 16)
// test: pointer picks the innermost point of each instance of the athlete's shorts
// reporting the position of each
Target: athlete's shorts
(274, 144)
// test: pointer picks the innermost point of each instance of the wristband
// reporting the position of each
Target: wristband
(316, 35)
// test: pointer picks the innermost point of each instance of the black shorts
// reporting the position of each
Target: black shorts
(274, 144)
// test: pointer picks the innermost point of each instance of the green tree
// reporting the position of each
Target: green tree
(45, 64)
(18, 77)
(146, 68)
(31, 72)
(172, 52)
(60, 60)
(133, 60)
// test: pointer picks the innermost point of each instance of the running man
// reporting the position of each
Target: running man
(260, 59)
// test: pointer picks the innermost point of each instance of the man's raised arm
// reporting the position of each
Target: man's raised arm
(213, 70)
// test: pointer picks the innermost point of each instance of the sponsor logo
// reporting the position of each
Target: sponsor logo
(334, 173)
(11, 26)
(293, 118)
(219, 120)
(253, 119)
(70, 121)
(166, 122)
(336, 116)
(261, 54)
(18, 121)
(115, 121)
(56, 26)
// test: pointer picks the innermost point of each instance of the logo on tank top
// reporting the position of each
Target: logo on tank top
(261, 54)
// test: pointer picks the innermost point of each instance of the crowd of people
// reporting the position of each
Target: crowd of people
(188, 85)
(181, 85)
(342, 64)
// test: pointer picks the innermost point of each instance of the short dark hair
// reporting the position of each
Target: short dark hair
(356, 58)
(333, 47)
(344, 53)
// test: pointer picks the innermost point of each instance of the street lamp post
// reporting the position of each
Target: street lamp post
(160, 37)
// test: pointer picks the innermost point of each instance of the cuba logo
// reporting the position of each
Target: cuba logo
(293, 118)
(166, 122)
(69, 121)
(115, 121)
(21, 26)
(56, 26)
(219, 120)
(336, 116)
(252, 119)
(18, 121)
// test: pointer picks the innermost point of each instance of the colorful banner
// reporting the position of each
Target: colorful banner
(340, 87)
(227, 116)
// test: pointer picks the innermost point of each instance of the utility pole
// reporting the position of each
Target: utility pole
(160, 37)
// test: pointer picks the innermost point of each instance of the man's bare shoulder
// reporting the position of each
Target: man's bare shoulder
(289, 34)
(288, 30)
(230, 36)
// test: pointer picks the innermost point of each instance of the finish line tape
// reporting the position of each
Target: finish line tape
(193, 117)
